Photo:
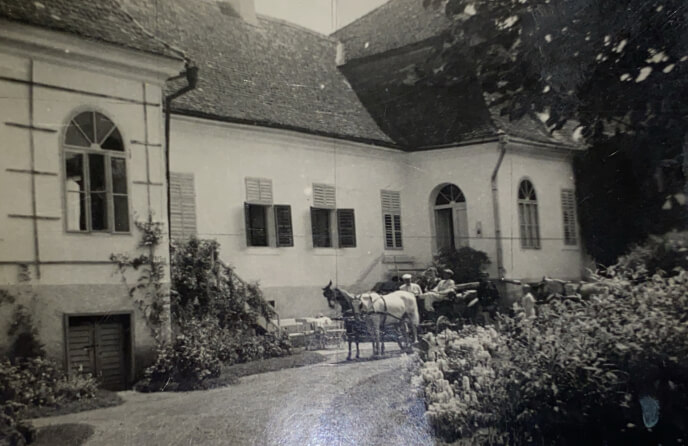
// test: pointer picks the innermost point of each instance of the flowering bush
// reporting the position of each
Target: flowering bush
(581, 372)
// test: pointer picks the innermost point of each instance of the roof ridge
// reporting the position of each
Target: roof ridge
(387, 2)
(296, 26)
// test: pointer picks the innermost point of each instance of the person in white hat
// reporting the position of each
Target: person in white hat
(410, 286)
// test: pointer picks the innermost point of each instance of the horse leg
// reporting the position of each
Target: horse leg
(348, 358)
(358, 352)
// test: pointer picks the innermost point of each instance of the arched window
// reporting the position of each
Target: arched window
(451, 220)
(95, 175)
(528, 216)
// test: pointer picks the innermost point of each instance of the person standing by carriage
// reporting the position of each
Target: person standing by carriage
(410, 286)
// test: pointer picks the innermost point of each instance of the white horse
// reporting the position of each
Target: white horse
(391, 310)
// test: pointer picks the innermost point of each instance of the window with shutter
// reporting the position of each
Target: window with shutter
(259, 190)
(284, 235)
(391, 212)
(568, 207)
(346, 227)
(182, 206)
(256, 224)
(324, 196)
(320, 227)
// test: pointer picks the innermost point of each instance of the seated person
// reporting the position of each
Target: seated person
(441, 291)
(410, 286)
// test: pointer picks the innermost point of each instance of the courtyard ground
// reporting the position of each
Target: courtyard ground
(333, 403)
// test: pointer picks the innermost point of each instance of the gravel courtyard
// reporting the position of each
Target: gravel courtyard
(366, 402)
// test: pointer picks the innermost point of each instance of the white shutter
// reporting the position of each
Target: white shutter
(391, 202)
(182, 205)
(568, 208)
(258, 190)
(391, 213)
(324, 196)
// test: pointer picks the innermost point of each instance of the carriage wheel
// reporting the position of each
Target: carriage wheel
(405, 335)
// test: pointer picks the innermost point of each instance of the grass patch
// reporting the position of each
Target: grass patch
(103, 398)
(231, 374)
(72, 434)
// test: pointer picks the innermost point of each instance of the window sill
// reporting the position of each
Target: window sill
(571, 248)
(263, 250)
(97, 233)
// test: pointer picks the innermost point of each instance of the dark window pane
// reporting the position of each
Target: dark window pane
(119, 176)
(320, 223)
(98, 212)
(103, 127)
(121, 213)
(85, 122)
(257, 226)
(96, 165)
(74, 137)
(113, 142)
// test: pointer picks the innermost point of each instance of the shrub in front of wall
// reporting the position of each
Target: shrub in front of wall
(467, 263)
(576, 374)
(186, 362)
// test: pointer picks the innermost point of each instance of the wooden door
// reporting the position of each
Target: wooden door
(444, 228)
(97, 346)
(461, 234)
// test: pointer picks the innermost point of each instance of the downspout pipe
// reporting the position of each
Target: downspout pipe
(191, 74)
(503, 139)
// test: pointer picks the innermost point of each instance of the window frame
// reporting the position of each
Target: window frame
(528, 217)
(248, 228)
(108, 156)
(331, 217)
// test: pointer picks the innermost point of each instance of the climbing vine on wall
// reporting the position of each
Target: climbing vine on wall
(148, 291)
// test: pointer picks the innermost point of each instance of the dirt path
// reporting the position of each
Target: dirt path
(364, 402)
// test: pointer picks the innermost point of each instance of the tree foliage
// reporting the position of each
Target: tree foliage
(615, 70)
(203, 286)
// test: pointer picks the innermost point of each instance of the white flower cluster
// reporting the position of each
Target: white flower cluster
(457, 375)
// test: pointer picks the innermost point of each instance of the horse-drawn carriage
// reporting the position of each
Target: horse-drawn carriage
(400, 316)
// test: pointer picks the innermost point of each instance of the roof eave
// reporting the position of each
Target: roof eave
(274, 125)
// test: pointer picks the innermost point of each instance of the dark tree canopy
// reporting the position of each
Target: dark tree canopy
(616, 71)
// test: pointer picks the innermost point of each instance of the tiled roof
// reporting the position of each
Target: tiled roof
(383, 49)
(274, 74)
(100, 20)
(395, 24)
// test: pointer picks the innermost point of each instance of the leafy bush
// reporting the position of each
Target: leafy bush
(659, 254)
(196, 355)
(35, 382)
(203, 286)
(186, 362)
(467, 263)
(575, 374)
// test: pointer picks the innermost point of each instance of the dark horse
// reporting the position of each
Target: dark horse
(353, 323)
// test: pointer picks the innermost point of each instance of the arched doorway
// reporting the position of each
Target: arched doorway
(451, 219)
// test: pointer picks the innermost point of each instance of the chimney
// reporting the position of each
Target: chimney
(244, 9)
(340, 58)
